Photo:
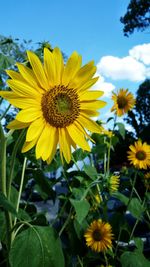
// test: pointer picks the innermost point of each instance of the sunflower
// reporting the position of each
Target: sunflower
(99, 236)
(139, 155)
(114, 183)
(123, 102)
(147, 180)
(56, 103)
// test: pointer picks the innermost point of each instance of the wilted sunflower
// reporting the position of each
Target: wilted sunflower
(147, 180)
(139, 155)
(114, 183)
(56, 103)
(123, 102)
(99, 236)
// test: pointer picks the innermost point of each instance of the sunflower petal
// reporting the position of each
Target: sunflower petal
(59, 63)
(14, 125)
(65, 146)
(72, 66)
(38, 69)
(28, 115)
(92, 104)
(90, 95)
(35, 129)
(77, 136)
(89, 124)
(22, 88)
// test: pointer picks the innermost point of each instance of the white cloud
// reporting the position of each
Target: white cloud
(126, 68)
(141, 53)
(101, 85)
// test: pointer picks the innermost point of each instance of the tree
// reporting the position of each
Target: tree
(139, 117)
(136, 17)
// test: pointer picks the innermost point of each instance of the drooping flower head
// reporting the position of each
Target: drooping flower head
(56, 102)
(147, 180)
(114, 182)
(139, 155)
(123, 102)
(99, 236)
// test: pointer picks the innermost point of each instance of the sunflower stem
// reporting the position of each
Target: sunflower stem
(106, 260)
(5, 112)
(20, 189)
(12, 164)
(80, 262)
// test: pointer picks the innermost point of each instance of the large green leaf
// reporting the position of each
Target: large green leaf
(91, 171)
(136, 208)
(134, 259)
(81, 207)
(37, 247)
(121, 129)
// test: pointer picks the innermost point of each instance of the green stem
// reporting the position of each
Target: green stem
(5, 112)
(132, 191)
(80, 262)
(21, 186)
(65, 224)
(3, 160)
(106, 260)
(12, 164)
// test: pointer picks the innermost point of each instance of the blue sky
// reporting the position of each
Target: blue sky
(92, 28)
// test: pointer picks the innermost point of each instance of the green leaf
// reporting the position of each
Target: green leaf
(6, 205)
(134, 259)
(91, 171)
(121, 197)
(3, 226)
(81, 207)
(37, 247)
(139, 243)
(121, 129)
(136, 208)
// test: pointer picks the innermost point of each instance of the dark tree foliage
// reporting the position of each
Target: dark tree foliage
(136, 17)
(139, 117)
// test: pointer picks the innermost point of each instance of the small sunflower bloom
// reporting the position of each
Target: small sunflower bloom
(99, 236)
(123, 102)
(147, 180)
(56, 103)
(139, 155)
(114, 182)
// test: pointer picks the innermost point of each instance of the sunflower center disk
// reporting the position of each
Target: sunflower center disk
(97, 235)
(122, 102)
(140, 155)
(60, 106)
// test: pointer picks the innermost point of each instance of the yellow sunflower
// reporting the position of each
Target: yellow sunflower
(57, 105)
(99, 236)
(114, 183)
(123, 102)
(139, 155)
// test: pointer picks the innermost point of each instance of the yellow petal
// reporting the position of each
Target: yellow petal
(90, 113)
(23, 89)
(28, 115)
(72, 66)
(49, 67)
(53, 147)
(38, 69)
(28, 145)
(89, 124)
(35, 129)
(87, 84)
(90, 95)
(20, 102)
(14, 125)
(46, 142)
(92, 104)
(15, 75)
(59, 64)
(77, 136)
(65, 146)
(29, 76)
(83, 75)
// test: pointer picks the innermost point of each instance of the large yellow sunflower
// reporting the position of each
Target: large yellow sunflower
(123, 102)
(99, 236)
(56, 103)
(139, 155)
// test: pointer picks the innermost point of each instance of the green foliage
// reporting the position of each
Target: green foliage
(134, 259)
(136, 17)
(37, 247)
